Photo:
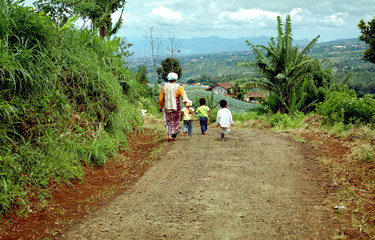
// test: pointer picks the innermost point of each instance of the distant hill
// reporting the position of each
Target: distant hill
(217, 57)
(201, 45)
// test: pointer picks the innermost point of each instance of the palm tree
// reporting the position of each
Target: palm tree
(282, 65)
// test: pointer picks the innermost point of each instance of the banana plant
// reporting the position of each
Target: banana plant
(67, 25)
(282, 64)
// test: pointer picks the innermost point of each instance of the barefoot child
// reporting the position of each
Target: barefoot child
(224, 119)
(203, 111)
(187, 114)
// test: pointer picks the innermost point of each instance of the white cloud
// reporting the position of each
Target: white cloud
(335, 19)
(166, 13)
(331, 19)
(247, 15)
(295, 14)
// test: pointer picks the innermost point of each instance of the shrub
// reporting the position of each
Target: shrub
(64, 100)
(245, 116)
(21, 26)
(344, 106)
(285, 121)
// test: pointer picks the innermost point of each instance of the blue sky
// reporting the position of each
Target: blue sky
(331, 19)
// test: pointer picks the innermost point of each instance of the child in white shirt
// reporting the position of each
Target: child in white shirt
(224, 119)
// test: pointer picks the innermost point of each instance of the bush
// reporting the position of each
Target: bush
(285, 121)
(245, 116)
(21, 26)
(345, 107)
(64, 100)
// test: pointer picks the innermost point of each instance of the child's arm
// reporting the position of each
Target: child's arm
(192, 115)
(212, 117)
(218, 116)
(191, 111)
(182, 114)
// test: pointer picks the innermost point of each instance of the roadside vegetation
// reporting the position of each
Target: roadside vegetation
(66, 100)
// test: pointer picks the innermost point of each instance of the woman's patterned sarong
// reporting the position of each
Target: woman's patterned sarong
(172, 119)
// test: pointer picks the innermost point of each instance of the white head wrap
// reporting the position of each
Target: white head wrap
(188, 103)
(172, 76)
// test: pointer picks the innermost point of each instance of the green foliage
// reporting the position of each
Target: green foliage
(21, 27)
(278, 121)
(247, 116)
(69, 23)
(55, 9)
(339, 127)
(368, 36)
(270, 104)
(170, 65)
(22, 34)
(142, 74)
(284, 121)
(210, 101)
(283, 65)
(97, 11)
(64, 100)
(345, 60)
(344, 106)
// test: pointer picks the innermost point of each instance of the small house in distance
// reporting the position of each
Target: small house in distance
(252, 97)
(221, 88)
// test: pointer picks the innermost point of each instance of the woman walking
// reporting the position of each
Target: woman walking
(170, 104)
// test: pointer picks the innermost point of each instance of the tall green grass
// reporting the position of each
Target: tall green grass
(65, 101)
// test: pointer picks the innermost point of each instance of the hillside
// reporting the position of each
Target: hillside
(344, 55)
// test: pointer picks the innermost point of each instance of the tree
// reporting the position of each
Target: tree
(57, 10)
(142, 74)
(168, 64)
(155, 42)
(368, 36)
(98, 12)
(159, 71)
(21, 28)
(175, 45)
(283, 65)
(241, 94)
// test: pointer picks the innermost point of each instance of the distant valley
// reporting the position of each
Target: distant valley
(217, 58)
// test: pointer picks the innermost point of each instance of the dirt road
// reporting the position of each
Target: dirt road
(255, 185)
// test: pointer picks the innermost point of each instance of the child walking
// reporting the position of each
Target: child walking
(224, 119)
(203, 111)
(187, 114)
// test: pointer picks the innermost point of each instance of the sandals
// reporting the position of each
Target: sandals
(172, 137)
